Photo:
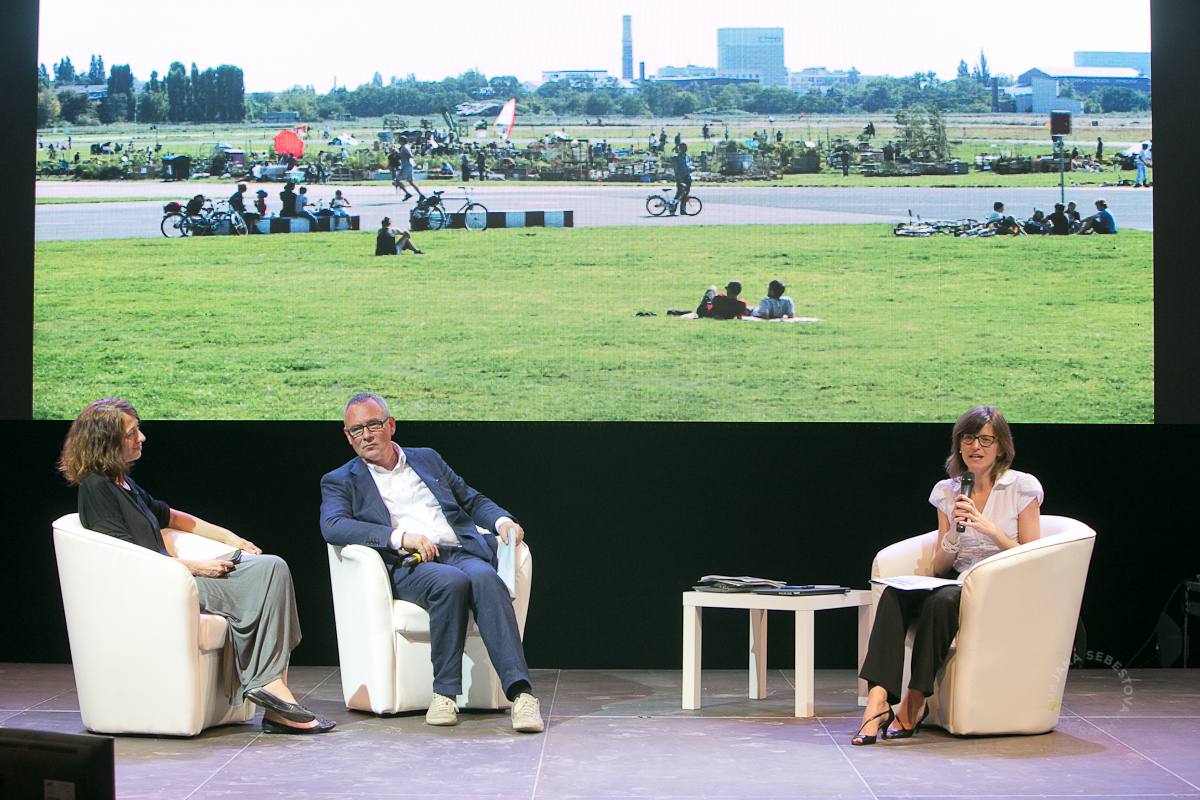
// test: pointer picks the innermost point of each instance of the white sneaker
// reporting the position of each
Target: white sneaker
(442, 711)
(527, 714)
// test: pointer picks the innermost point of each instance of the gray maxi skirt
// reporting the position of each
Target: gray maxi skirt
(259, 603)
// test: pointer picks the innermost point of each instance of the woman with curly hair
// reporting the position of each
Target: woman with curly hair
(251, 590)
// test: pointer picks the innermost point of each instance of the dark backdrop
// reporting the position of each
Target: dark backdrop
(624, 516)
(621, 518)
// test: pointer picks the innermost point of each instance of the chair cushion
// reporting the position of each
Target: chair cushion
(213, 630)
(409, 618)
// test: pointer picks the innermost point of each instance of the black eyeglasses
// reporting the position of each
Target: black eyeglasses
(374, 426)
(971, 438)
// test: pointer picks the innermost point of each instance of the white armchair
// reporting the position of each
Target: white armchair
(1008, 664)
(145, 659)
(383, 643)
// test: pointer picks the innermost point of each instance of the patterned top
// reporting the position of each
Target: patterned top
(1010, 495)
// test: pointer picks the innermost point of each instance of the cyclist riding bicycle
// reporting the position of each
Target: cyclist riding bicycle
(683, 177)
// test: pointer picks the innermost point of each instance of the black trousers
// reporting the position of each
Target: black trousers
(935, 614)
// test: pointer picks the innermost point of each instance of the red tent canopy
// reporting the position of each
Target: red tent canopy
(288, 143)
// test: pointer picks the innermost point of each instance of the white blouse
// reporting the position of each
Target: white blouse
(1012, 492)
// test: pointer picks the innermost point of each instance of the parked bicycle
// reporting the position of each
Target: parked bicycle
(659, 204)
(200, 218)
(430, 213)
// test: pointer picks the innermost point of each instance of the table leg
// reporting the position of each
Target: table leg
(692, 640)
(866, 617)
(804, 663)
(758, 653)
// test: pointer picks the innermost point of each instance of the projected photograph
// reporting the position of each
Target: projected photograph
(643, 214)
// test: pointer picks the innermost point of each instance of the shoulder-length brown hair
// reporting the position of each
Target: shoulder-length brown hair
(95, 442)
(973, 422)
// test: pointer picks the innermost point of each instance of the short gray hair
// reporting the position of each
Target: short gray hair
(366, 397)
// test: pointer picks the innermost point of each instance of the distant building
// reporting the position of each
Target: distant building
(755, 53)
(627, 48)
(1041, 97)
(1085, 79)
(1107, 58)
(698, 83)
(690, 71)
(281, 117)
(577, 76)
(819, 79)
(94, 91)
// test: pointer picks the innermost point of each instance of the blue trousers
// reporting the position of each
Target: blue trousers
(449, 588)
(1141, 173)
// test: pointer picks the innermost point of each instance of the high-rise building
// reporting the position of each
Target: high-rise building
(752, 53)
(627, 48)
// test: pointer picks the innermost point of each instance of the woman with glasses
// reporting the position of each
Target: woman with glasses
(1002, 511)
(251, 590)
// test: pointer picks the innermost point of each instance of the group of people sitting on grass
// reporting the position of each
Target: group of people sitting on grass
(729, 305)
(1065, 220)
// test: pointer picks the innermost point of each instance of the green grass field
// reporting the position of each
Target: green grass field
(539, 325)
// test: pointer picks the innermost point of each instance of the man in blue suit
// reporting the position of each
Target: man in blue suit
(408, 502)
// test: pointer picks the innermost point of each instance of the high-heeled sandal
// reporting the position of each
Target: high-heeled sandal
(860, 738)
(903, 732)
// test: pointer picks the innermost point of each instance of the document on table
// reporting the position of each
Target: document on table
(911, 582)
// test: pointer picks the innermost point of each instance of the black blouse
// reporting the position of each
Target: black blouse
(132, 515)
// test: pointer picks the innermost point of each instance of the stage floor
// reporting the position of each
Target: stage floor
(622, 734)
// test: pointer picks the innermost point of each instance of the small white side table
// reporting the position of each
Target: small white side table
(758, 605)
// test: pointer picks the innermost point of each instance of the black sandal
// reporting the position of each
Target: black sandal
(906, 733)
(860, 738)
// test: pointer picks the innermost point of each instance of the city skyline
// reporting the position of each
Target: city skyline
(930, 35)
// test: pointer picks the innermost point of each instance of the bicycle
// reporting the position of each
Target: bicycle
(177, 223)
(430, 213)
(657, 205)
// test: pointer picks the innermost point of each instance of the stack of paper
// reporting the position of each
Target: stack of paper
(743, 583)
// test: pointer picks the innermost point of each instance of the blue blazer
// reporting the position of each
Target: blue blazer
(353, 512)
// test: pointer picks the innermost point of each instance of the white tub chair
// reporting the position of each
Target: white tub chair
(383, 643)
(145, 659)
(1008, 664)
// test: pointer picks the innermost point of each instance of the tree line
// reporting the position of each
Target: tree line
(216, 94)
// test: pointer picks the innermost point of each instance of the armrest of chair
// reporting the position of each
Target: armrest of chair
(191, 547)
(362, 610)
(912, 556)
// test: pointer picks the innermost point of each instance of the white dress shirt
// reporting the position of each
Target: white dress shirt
(412, 508)
(1011, 493)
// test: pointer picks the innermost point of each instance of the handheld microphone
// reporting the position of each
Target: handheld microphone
(412, 559)
(967, 486)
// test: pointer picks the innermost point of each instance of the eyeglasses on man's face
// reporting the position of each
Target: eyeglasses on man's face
(372, 425)
(971, 438)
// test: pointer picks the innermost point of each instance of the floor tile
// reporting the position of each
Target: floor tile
(1169, 742)
(660, 693)
(1076, 758)
(590, 757)
(23, 686)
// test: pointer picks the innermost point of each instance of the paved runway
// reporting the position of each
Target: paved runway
(597, 206)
